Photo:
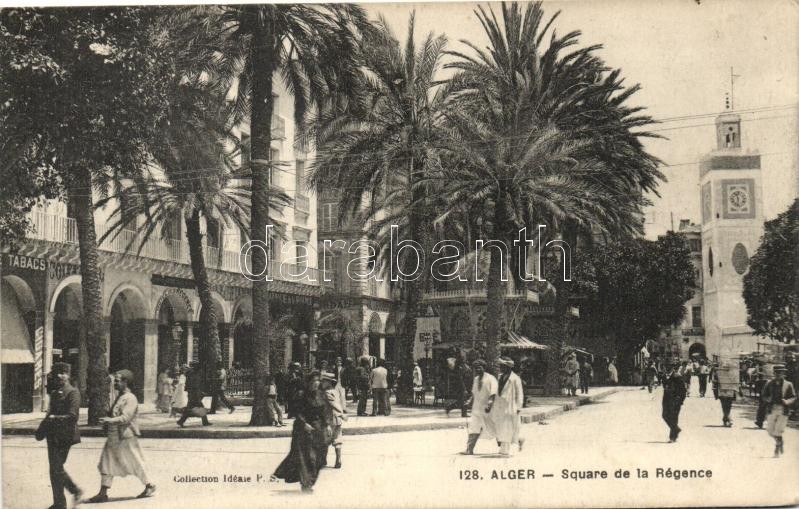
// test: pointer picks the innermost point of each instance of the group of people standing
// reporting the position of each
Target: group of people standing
(577, 375)
(121, 455)
(496, 406)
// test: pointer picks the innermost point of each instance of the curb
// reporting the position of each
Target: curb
(245, 432)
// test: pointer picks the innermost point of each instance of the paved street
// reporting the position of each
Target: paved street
(423, 468)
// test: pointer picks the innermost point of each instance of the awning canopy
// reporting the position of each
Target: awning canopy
(575, 349)
(521, 342)
(15, 341)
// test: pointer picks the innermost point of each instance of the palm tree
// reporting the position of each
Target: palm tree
(539, 136)
(381, 152)
(192, 176)
(309, 48)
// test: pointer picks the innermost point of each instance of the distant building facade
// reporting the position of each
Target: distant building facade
(149, 303)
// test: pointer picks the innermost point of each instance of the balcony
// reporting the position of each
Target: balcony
(278, 127)
(64, 230)
(476, 294)
(302, 203)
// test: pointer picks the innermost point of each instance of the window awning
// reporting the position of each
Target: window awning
(521, 342)
(15, 343)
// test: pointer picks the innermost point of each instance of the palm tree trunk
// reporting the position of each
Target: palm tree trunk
(495, 291)
(212, 352)
(262, 55)
(413, 293)
(561, 316)
(97, 380)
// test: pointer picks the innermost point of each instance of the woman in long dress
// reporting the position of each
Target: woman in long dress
(122, 454)
(180, 397)
(779, 394)
(310, 438)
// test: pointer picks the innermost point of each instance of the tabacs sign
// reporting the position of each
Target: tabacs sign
(25, 262)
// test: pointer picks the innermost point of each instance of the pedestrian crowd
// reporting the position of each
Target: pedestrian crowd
(776, 397)
(317, 401)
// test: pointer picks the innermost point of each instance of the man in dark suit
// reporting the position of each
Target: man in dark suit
(194, 389)
(674, 393)
(61, 424)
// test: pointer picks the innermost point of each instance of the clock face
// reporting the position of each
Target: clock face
(738, 199)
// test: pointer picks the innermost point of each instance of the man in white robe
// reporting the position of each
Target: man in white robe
(505, 413)
(484, 391)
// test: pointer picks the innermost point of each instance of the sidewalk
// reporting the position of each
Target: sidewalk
(158, 425)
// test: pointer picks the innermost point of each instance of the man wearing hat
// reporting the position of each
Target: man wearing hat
(674, 393)
(725, 391)
(484, 392)
(294, 388)
(507, 407)
(61, 425)
(572, 369)
(335, 408)
(779, 395)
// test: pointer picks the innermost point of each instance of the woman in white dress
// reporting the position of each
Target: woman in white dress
(180, 398)
(122, 455)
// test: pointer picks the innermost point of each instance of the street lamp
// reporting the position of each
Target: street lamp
(428, 345)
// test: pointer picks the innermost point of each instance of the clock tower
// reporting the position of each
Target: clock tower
(732, 224)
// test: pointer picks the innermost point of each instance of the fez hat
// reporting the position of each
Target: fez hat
(61, 368)
(505, 361)
(126, 375)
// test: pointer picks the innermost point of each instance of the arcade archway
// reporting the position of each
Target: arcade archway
(375, 329)
(126, 349)
(242, 337)
(173, 315)
(69, 334)
(18, 322)
(697, 350)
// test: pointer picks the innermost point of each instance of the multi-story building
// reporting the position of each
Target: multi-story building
(359, 315)
(688, 338)
(732, 224)
(149, 301)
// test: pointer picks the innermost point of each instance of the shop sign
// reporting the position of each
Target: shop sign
(25, 262)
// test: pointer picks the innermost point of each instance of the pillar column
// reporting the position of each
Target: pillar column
(176, 340)
(150, 360)
(106, 331)
(189, 342)
(365, 345)
(230, 350)
(382, 347)
(47, 357)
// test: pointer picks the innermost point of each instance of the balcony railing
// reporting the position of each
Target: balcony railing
(302, 203)
(278, 127)
(478, 294)
(65, 230)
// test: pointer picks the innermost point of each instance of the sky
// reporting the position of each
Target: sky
(680, 51)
